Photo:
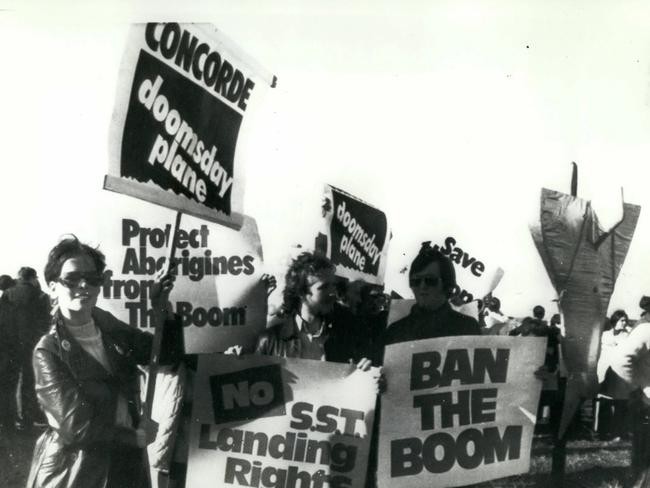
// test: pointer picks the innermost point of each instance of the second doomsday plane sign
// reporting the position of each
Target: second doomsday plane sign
(355, 236)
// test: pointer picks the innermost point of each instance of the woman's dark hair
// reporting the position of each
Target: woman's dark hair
(67, 248)
(296, 280)
(428, 255)
(616, 316)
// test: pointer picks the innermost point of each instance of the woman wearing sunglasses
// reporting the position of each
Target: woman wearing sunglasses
(87, 380)
(432, 279)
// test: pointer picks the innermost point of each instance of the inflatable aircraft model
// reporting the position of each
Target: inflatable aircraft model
(583, 261)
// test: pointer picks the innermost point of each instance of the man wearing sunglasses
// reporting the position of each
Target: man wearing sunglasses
(432, 279)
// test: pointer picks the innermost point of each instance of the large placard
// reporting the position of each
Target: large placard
(458, 410)
(355, 236)
(267, 421)
(218, 293)
(183, 93)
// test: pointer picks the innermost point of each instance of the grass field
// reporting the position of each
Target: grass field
(590, 464)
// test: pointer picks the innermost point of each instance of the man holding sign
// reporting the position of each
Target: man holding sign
(461, 409)
(310, 325)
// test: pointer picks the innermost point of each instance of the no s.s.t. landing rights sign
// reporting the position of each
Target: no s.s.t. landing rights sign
(183, 94)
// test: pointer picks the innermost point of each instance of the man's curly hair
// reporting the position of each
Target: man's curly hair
(296, 280)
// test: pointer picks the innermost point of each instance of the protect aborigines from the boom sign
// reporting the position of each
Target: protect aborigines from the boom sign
(473, 446)
(137, 240)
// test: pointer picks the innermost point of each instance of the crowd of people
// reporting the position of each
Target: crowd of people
(71, 368)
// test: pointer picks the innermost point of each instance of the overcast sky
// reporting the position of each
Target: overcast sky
(447, 115)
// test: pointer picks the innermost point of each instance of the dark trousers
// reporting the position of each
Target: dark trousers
(28, 409)
(9, 375)
(640, 415)
(17, 393)
(127, 469)
(614, 418)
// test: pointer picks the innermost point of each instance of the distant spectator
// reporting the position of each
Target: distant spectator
(644, 304)
(539, 312)
(631, 361)
(614, 392)
(26, 319)
(492, 321)
(555, 323)
(6, 282)
(8, 363)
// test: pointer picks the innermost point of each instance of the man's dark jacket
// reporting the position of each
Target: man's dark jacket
(26, 315)
(421, 324)
(281, 338)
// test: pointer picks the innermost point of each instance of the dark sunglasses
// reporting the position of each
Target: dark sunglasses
(428, 281)
(72, 280)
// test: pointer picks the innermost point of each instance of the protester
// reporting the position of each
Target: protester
(87, 380)
(431, 279)
(631, 361)
(555, 323)
(26, 317)
(616, 330)
(644, 305)
(310, 324)
(611, 411)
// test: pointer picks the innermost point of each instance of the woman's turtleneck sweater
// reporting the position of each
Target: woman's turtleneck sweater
(89, 338)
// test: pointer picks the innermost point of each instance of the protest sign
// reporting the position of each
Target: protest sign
(476, 276)
(218, 295)
(357, 236)
(458, 410)
(183, 92)
(274, 422)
